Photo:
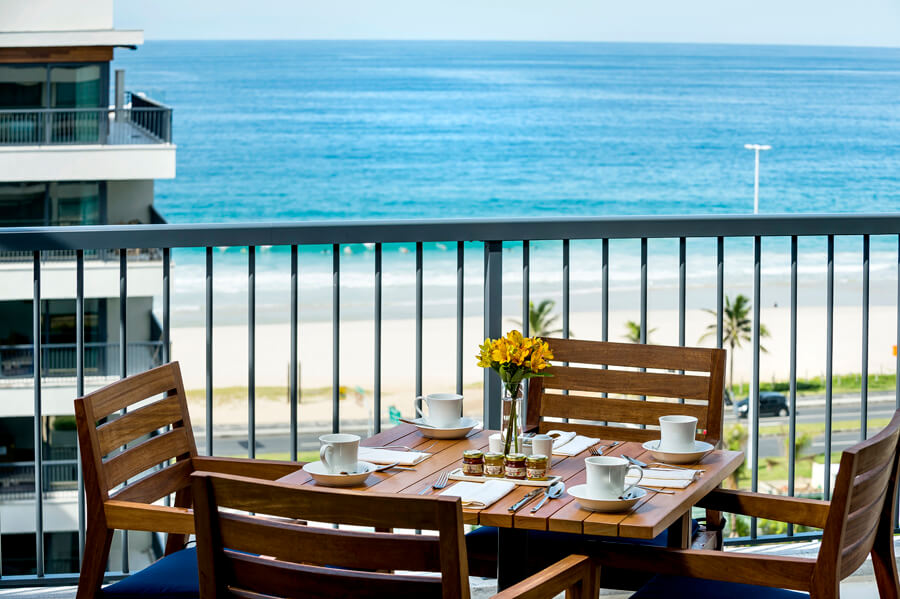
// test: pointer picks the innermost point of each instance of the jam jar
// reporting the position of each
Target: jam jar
(493, 465)
(473, 462)
(515, 466)
(536, 467)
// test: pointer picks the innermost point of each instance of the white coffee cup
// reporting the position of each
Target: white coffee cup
(444, 409)
(339, 452)
(542, 445)
(606, 476)
(677, 433)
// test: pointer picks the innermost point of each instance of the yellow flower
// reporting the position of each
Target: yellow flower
(484, 355)
(500, 351)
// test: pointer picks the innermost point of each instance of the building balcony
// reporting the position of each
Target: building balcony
(60, 144)
(671, 276)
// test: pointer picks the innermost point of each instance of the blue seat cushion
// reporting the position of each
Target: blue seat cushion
(680, 587)
(173, 576)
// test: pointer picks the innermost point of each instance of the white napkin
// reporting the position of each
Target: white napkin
(387, 456)
(671, 473)
(664, 477)
(575, 446)
(479, 495)
(560, 438)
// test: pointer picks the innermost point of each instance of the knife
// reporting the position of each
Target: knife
(515, 507)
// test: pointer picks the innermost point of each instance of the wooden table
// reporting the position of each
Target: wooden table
(650, 516)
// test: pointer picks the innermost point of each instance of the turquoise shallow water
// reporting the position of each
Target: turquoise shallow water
(348, 130)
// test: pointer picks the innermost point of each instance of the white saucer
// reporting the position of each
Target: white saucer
(701, 448)
(326, 479)
(456, 432)
(579, 492)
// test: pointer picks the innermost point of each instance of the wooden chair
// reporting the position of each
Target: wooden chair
(701, 386)
(108, 461)
(269, 555)
(857, 522)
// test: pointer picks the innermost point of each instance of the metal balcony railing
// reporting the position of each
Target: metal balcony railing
(58, 360)
(493, 235)
(143, 122)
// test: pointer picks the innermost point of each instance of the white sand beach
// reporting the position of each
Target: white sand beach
(439, 356)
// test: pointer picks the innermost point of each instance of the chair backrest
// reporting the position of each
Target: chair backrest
(107, 458)
(695, 375)
(862, 505)
(241, 555)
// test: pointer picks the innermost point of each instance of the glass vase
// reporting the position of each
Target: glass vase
(512, 419)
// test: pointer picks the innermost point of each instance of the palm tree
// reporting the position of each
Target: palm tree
(737, 328)
(541, 320)
(633, 332)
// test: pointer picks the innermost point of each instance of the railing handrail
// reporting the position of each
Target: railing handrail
(87, 344)
(92, 237)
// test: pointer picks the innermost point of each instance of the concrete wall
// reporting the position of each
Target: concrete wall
(137, 321)
(127, 201)
(55, 15)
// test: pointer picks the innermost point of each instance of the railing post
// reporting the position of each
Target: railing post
(493, 316)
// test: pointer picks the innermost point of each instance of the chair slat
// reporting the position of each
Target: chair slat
(876, 454)
(328, 505)
(852, 556)
(869, 486)
(116, 397)
(625, 382)
(170, 479)
(292, 542)
(617, 410)
(283, 579)
(861, 522)
(618, 433)
(144, 420)
(632, 355)
(145, 455)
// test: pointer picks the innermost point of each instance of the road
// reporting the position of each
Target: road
(770, 446)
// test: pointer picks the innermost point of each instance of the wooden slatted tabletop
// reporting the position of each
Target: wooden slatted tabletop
(653, 514)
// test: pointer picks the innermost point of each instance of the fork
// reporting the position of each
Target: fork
(595, 450)
(440, 483)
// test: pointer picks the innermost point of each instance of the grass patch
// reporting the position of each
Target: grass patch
(840, 383)
(227, 395)
(818, 428)
(303, 456)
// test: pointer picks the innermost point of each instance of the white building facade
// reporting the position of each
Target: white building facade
(75, 149)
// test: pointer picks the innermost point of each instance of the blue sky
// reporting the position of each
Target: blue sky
(809, 22)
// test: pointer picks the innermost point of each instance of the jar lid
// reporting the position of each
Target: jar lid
(536, 459)
(493, 455)
(473, 453)
(516, 457)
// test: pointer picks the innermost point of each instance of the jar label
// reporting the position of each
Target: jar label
(515, 471)
(537, 474)
(493, 470)
(473, 469)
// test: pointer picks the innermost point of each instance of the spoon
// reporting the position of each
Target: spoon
(414, 423)
(552, 493)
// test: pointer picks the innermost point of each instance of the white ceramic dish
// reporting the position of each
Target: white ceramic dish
(326, 479)
(701, 448)
(580, 493)
(456, 432)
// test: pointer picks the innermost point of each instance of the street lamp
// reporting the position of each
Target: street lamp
(757, 148)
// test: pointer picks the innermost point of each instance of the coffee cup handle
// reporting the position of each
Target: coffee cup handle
(418, 404)
(634, 484)
(325, 453)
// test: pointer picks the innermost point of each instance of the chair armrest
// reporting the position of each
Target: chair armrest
(764, 570)
(808, 512)
(130, 515)
(572, 572)
(262, 469)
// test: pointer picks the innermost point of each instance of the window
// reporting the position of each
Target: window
(22, 86)
(37, 203)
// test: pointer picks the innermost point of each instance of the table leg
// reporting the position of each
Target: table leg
(680, 532)
(512, 557)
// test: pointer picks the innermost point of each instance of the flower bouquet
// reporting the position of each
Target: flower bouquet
(515, 358)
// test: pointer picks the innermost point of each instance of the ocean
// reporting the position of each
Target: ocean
(315, 130)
